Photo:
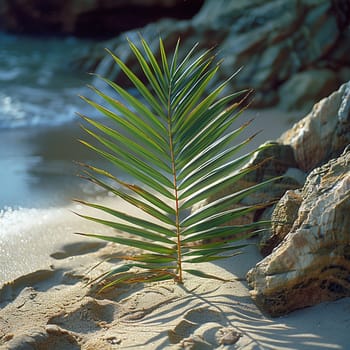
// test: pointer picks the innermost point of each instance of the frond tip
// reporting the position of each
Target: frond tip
(173, 137)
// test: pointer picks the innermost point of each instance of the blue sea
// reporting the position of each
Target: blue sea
(39, 89)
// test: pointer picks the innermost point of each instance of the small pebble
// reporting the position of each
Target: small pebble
(228, 336)
(114, 340)
(53, 329)
(7, 337)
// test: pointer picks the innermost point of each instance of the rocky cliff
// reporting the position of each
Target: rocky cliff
(293, 52)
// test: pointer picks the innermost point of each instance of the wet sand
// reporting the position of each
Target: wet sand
(37, 166)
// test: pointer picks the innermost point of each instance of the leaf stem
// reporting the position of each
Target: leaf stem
(177, 216)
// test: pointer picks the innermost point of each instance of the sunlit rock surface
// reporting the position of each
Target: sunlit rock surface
(322, 134)
(312, 263)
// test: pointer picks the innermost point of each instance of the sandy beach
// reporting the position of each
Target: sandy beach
(46, 304)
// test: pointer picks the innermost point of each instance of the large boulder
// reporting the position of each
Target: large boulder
(323, 133)
(272, 40)
(312, 263)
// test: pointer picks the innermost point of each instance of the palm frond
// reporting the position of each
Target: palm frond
(175, 141)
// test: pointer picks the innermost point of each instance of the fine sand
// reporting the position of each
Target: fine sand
(45, 303)
(52, 308)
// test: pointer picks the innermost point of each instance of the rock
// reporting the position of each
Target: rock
(272, 40)
(227, 336)
(302, 88)
(312, 263)
(321, 135)
(283, 218)
(270, 162)
(324, 133)
(93, 18)
(340, 53)
(273, 161)
(342, 13)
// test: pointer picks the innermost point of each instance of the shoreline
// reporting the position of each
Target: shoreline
(49, 306)
(37, 164)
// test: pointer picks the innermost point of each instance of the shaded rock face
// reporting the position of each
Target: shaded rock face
(312, 263)
(324, 133)
(273, 161)
(282, 218)
(273, 40)
(91, 18)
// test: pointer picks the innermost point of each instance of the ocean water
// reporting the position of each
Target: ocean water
(38, 87)
(38, 123)
(39, 129)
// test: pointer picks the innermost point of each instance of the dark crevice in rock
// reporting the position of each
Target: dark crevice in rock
(341, 9)
(113, 22)
(102, 19)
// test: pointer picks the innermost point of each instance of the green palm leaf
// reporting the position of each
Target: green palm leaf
(142, 205)
(174, 141)
(131, 242)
